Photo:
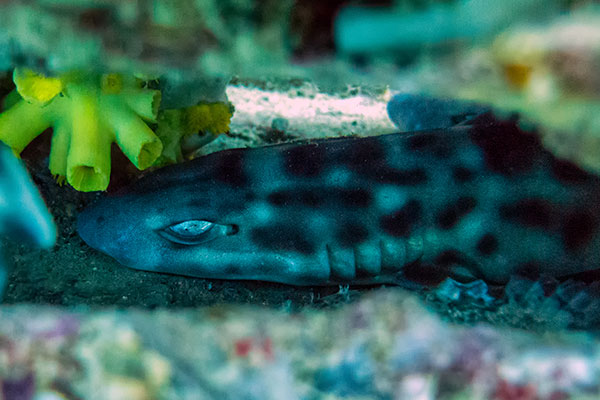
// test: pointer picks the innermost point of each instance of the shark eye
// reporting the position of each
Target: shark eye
(191, 228)
(195, 231)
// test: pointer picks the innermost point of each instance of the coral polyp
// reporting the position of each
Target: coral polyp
(88, 113)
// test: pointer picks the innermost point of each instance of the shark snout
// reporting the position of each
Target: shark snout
(92, 226)
(117, 233)
(86, 227)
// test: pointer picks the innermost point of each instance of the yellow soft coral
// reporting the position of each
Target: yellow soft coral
(207, 117)
(36, 88)
(210, 119)
(88, 113)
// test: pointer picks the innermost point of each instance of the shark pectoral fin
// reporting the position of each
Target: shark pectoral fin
(461, 267)
(462, 274)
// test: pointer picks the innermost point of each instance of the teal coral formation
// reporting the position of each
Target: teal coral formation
(88, 112)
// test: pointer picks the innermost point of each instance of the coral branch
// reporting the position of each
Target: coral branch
(22, 123)
(88, 170)
(59, 149)
(143, 102)
(135, 139)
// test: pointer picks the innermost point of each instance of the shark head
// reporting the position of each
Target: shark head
(302, 214)
(208, 218)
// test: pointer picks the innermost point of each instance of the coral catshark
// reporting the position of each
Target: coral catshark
(481, 199)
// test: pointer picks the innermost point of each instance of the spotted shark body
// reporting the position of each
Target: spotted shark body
(478, 200)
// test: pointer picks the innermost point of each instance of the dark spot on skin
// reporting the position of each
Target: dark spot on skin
(569, 173)
(462, 174)
(385, 174)
(431, 143)
(100, 220)
(311, 198)
(422, 141)
(410, 177)
(305, 160)
(366, 153)
(282, 238)
(591, 276)
(351, 234)
(507, 150)
(487, 245)
(401, 222)
(529, 270)
(355, 197)
(443, 150)
(425, 274)
(448, 258)
(368, 159)
(230, 167)
(453, 212)
(578, 230)
(359, 198)
(280, 198)
(536, 213)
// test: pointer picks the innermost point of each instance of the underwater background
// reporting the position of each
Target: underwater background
(200, 77)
